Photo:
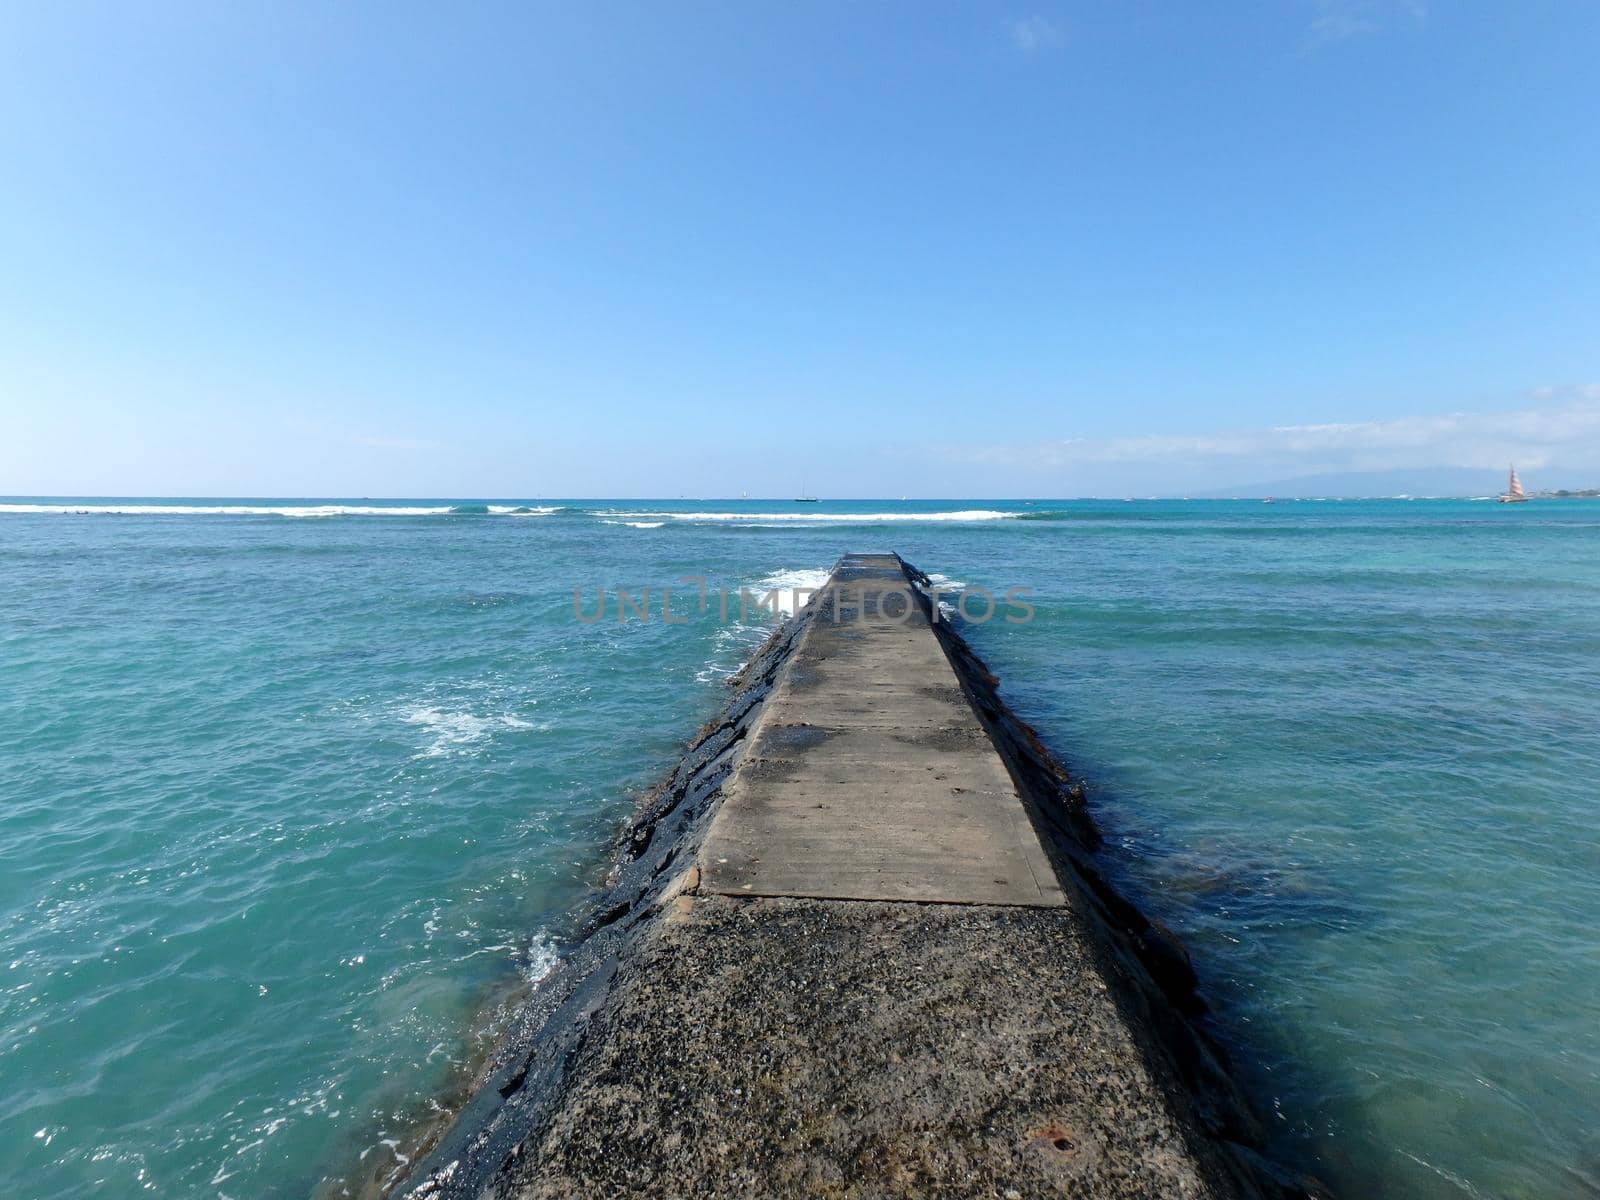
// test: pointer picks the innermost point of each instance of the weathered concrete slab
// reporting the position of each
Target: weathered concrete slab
(869, 776)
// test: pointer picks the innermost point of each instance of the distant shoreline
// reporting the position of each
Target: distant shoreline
(299, 506)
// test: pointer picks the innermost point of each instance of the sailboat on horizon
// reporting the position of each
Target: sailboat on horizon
(1514, 493)
(804, 497)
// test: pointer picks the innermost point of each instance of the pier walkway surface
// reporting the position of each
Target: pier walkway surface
(869, 775)
(865, 979)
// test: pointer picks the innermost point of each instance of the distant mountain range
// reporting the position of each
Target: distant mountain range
(1435, 481)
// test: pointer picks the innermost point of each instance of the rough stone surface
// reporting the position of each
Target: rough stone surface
(813, 1048)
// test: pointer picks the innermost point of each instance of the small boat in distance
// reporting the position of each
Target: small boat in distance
(804, 497)
(1514, 493)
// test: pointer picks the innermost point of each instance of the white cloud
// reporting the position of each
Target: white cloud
(1339, 20)
(1563, 426)
(1032, 34)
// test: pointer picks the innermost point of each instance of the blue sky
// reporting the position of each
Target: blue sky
(926, 249)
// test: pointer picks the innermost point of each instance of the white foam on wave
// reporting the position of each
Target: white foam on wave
(791, 585)
(272, 510)
(635, 520)
(733, 643)
(542, 958)
(453, 732)
(798, 585)
(731, 647)
(832, 518)
(946, 585)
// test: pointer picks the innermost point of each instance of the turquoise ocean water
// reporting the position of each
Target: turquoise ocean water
(289, 792)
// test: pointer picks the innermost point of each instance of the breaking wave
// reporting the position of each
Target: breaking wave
(281, 510)
(830, 518)
(791, 584)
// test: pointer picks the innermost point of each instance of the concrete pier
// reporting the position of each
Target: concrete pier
(869, 776)
(856, 948)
